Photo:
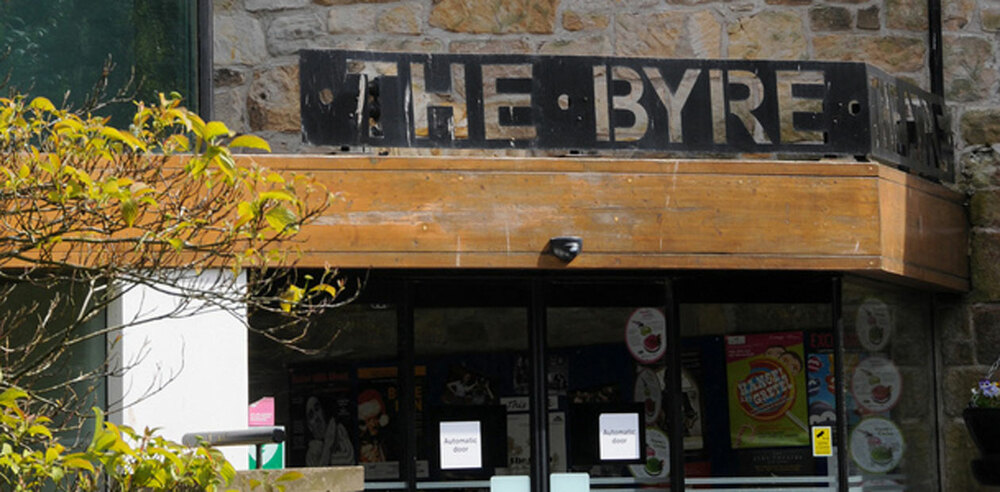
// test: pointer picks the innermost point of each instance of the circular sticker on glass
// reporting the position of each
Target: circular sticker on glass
(656, 459)
(649, 393)
(877, 445)
(876, 384)
(873, 325)
(645, 335)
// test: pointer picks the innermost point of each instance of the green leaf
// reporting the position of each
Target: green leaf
(42, 104)
(103, 441)
(215, 129)
(78, 464)
(10, 396)
(329, 289)
(51, 454)
(292, 295)
(250, 142)
(37, 429)
(57, 473)
(289, 476)
(182, 142)
(68, 124)
(176, 243)
(277, 195)
(130, 211)
(280, 218)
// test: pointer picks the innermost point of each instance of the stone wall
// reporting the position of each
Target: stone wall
(256, 41)
(256, 80)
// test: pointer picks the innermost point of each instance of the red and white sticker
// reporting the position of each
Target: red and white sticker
(646, 335)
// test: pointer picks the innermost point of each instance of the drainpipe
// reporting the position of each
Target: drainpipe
(205, 69)
(934, 41)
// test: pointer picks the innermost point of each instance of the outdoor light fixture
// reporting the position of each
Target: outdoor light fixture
(566, 247)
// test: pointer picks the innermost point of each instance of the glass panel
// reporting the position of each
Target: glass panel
(61, 45)
(889, 385)
(471, 342)
(756, 356)
(339, 404)
(607, 353)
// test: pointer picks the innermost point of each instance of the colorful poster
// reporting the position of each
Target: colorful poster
(378, 411)
(379, 428)
(321, 417)
(820, 383)
(767, 401)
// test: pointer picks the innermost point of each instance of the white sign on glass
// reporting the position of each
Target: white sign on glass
(461, 445)
(619, 436)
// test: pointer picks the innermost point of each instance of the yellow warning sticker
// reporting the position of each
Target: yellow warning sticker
(822, 441)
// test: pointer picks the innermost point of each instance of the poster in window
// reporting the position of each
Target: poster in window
(378, 412)
(378, 407)
(321, 413)
(767, 390)
(820, 382)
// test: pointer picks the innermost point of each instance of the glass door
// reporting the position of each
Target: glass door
(471, 342)
(758, 381)
(607, 351)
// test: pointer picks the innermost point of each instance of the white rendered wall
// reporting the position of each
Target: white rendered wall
(190, 373)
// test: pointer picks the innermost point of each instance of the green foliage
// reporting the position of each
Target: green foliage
(123, 459)
(89, 204)
(106, 186)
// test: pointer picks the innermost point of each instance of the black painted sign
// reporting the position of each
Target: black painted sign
(684, 107)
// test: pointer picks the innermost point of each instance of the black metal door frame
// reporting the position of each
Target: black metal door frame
(536, 306)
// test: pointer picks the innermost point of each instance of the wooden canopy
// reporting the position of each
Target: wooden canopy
(456, 212)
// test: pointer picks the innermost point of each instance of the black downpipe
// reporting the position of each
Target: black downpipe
(839, 384)
(539, 415)
(675, 394)
(407, 383)
(936, 50)
(205, 56)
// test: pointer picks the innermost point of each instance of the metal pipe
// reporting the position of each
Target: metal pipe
(839, 353)
(539, 408)
(205, 59)
(935, 54)
(675, 393)
(255, 435)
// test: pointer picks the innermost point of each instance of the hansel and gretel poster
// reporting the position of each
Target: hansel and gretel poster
(767, 390)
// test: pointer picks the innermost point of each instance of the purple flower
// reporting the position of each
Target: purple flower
(989, 388)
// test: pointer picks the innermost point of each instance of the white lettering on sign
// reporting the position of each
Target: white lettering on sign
(619, 436)
(461, 445)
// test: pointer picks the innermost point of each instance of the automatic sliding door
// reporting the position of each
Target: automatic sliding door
(471, 350)
(607, 383)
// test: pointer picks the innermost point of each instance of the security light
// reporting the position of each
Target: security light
(566, 247)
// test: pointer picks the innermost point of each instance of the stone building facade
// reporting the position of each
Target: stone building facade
(256, 90)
